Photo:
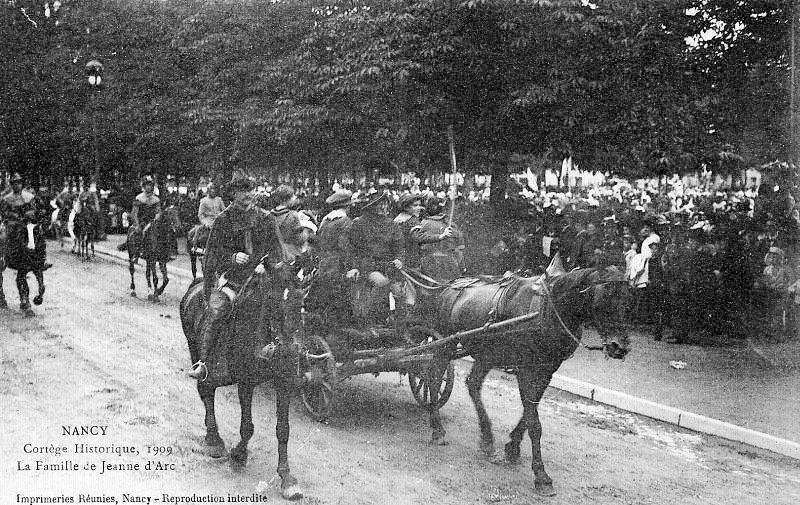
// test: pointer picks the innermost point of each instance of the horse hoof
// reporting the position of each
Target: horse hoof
(215, 451)
(37, 300)
(149, 298)
(488, 449)
(545, 489)
(238, 460)
(512, 452)
(438, 441)
(28, 313)
(292, 492)
(497, 459)
(133, 294)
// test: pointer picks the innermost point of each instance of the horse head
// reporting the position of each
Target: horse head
(609, 294)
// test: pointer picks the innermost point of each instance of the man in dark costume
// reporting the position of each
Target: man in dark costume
(243, 240)
(328, 298)
(146, 206)
(375, 250)
(442, 244)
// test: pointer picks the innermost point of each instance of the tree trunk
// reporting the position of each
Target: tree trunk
(497, 193)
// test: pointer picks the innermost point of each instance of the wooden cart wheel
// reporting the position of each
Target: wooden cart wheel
(318, 393)
(418, 383)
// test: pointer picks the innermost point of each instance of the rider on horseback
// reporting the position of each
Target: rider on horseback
(240, 238)
(146, 206)
(210, 207)
(25, 254)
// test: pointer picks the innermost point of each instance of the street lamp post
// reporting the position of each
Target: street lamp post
(94, 74)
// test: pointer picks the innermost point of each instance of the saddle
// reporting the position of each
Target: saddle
(505, 288)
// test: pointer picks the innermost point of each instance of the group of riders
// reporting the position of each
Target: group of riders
(357, 261)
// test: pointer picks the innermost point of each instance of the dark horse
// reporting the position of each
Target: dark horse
(233, 361)
(23, 248)
(196, 239)
(153, 244)
(535, 349)
(86, 226)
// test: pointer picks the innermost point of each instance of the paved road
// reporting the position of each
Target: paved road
(95, 356)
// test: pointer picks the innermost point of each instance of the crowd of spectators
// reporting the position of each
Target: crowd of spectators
(703, 262)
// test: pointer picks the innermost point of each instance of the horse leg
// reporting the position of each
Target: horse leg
(533, 381)
(512, 447)
(246, 428)
(283, 396)
(132, 270)
(39, 298)
(480, 369)
(213, 444)
(435, 375)
(3, 303)
(154, 274)
(24, 293)
(148, 267)
(193, 263)
(163, 267)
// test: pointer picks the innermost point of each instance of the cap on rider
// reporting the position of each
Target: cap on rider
(341, 198)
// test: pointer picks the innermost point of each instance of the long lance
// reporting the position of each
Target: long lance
(453, 184)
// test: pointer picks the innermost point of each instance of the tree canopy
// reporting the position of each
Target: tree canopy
(631, 86)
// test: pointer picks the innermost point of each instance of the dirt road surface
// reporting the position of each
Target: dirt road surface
(96, 357)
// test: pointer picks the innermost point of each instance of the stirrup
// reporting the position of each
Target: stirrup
(195, 372)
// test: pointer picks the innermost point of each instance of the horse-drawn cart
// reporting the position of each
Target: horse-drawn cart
(332, 362)
(346, 352)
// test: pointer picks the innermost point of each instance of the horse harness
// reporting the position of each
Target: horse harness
(508, 288)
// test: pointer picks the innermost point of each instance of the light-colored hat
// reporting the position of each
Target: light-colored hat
(777, 250)
(407, 199)
(340, 197)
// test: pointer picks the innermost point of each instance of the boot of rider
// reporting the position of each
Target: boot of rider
(199, 370)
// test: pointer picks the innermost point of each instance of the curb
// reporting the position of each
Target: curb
(636, 405)
(677, 417)
(120, 257)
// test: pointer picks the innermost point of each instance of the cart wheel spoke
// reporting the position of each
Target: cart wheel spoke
(318, 393)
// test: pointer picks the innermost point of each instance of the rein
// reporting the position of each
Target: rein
(551, 297)
(433, 286)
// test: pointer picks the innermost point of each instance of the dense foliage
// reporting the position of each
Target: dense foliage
(192, 87)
